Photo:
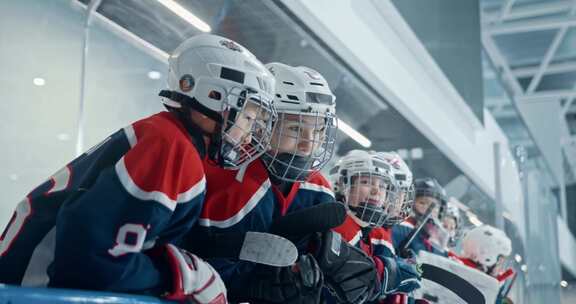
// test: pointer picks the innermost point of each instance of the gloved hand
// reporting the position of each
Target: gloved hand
(194, 280)
(400, 275)
(408, 254)
(348, 272)
(300, 283)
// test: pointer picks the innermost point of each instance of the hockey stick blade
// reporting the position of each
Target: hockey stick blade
(319, 218)
(459, 286)
(268, 249)
(257, 247)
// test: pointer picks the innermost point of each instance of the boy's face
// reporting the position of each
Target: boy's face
(449, 223)
(422, 203)
(368, 189)
(247, 133)
(242, 129)
(298, 134)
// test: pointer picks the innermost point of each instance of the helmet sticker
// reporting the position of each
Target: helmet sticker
(313, 74)
(231, 45)
(395, 163)
(186, 83)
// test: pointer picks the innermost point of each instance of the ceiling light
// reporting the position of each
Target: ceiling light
(154, 75)
(524, 268)
(39, 81)
(518, 258)
(355, 135)
(563, 283)
(186, 15)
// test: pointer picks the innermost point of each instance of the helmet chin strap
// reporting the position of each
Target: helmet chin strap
(224, 149)
(358, 211)
(489, 270)
(188, 103)
(186, 100)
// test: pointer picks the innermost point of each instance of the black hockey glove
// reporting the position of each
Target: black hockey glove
(298, 284)
(348, 272)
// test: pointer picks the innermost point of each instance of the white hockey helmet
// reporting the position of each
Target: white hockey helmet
(485, 245)
(359, 168)
(305, 132)
(223, 80)
(404, 178)
(450, 210)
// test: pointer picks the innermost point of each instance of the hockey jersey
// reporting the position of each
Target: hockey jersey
(501, 277)
(251, 204)
(89, 225)
(377, 242)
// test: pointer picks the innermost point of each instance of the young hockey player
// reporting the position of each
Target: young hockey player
(451, 223)
(428, 193)
(486, 248)
(284, 180)
(403, 176)
(110, 219)
(365, 181)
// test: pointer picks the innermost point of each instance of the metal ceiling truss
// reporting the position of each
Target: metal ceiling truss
(511, 19)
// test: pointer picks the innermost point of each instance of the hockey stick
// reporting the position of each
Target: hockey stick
(408, 240)
(459, 286)
(509, 282)
(256, 247)
(319, 218)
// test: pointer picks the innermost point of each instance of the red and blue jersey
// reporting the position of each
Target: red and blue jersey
(250, 204)
(90, 224)
(376, 241)
(233, 205)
